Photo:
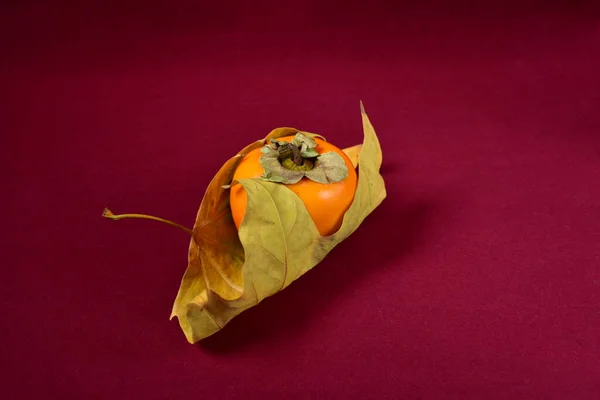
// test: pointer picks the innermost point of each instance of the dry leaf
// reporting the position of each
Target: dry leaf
(230, 271)
(216, 256)
(278, 236)
(352, 153)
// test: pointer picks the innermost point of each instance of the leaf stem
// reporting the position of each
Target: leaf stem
(107, 213)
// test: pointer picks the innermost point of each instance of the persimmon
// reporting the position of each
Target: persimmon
(326, 195)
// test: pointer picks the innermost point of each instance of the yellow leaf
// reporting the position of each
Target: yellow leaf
(229, 271)
(215, 256)
(278, 236)
(214, 248)
(280, 132)
(352, 153)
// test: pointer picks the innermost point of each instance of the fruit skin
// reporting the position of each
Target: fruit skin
(326, 203)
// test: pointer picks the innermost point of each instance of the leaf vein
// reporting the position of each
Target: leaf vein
(233, 285)
(285, 246)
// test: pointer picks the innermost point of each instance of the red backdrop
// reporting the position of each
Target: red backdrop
(478, 277)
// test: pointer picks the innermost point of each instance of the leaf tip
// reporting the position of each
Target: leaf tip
(362, 107)
(107, 213)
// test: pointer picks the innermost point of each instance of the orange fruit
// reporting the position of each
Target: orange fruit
(325, 203)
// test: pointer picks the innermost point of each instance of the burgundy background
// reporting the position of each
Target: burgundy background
(478, 277)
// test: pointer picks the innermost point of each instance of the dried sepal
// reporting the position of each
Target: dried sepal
(288, 163)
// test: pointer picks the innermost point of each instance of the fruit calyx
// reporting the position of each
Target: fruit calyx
(288, 162)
